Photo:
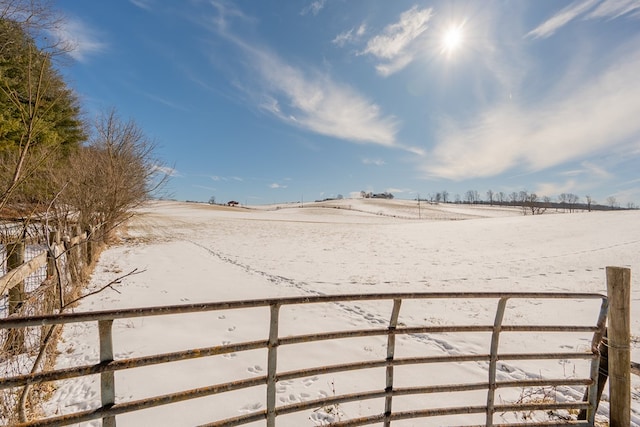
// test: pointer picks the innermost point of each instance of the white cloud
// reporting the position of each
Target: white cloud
(76, 37)
(398, 190)
(396, 44)
(349, 36)
(225, 178)
(309, 99)
(276, 186)
(142, 4)
(165, 170)
(594, 170)
(608, 9)
(566, 15)
(317, 103)
(590, 169)
(552, 189)
(314, 8)
(614, 8)
(343, 38)
(571, 123)
(376, 162)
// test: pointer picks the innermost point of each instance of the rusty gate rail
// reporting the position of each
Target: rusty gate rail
(108, 366)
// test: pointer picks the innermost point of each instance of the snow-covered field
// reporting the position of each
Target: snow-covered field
(199, 253)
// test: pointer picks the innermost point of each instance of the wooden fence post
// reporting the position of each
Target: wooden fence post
(15, 258)
(54, 241)
(619, 334)
(80, 247)
(91, 245)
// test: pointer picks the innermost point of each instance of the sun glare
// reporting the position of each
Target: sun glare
(452, 39)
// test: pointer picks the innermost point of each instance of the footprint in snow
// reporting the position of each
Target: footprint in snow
(231, 329)
(254, 369)
(250, 407)
(309, 381)
(289, 399)
(230, 355)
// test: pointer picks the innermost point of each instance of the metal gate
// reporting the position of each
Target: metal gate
(109, 408)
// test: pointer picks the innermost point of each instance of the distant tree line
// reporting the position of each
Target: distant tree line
(531, 203)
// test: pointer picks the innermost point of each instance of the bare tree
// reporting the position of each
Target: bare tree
(533, 204)
(35, 16)
(445, 196)
(513, 198)
(572, 201)
(612, 202)
(589, 202)
(473, 196)
(563, 199)
(490, 197)
(114, 174)
(501, 197)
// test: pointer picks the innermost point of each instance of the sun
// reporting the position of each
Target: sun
(452, 39)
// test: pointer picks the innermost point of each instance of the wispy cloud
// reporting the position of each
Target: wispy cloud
(568, 124)
(350, 36)
(225, 178)
(376, 162)
(614, 8)
(589, 169)
(307, 98)
(225, 12)
(79, 39)
(314, 101)
(275, 185)
(165, 170)
(561, 18)
(395, 46)
(393, 190)
(165, 102)
(608, 9)
(314, 7)
(594, 170)
(553, 189)
(142, 4)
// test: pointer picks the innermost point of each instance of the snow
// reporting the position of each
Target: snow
(199, 253)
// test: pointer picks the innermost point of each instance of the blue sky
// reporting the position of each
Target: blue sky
(273, 101)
